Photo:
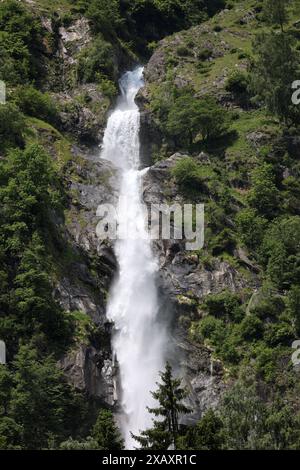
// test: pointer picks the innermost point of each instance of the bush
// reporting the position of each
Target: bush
(108, 88)
(280, 252)
(269, 308)
(251, 227)
(226, 305)
(15, 59)
(213, 329)
(206, 435)
(20, 43)
(281, 333)
(264, 195)
(36, 104)
(217, 28)
(95, 61)
(12, 125)
(204, 54)
(183, 51)
(105, 15)
(251, 327)
(223, 242)
(188, 116)
(186, 173)
(237, 83)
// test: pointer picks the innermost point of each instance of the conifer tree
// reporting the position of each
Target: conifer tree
(106, 433)
(170, 396)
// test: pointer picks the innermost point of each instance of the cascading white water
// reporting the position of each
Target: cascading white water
(139, 341)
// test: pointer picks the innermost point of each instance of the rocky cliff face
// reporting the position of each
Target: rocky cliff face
(86, 268)
(85, 282)
(185, 278)
(202, 57)
(184, 281)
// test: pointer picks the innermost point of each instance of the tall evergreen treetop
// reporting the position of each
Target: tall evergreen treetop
(170, 396)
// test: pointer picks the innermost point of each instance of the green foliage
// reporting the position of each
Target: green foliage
(34, 103)
(20, 43)
(146, 21)
(251, 328)
(293, 302)
(251, 227)
(108, 88)
(276, 62)
(96, 61)
(12, 126)
(264, 195)
(206, 435)
(105, 15)
(213, 329)
(187, 173)
(275, 12)
(165, 431)
(71, 444)
(226, 305)
(104, 436)
(238, 82)
(106, 433)
(10, 434)
(249, 424)
(281, 250)
(41, 402)
(189, 116)
(28, 193)
(243, 416)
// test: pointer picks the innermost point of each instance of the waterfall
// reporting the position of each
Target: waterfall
(139, 341)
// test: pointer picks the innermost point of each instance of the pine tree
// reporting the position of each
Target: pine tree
(169, 396)
(106, 433)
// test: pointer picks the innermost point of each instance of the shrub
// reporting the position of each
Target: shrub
(206, 435)
(264, 195)
(251, 327)
(213, 329)
(251, 227)
(34, 103)
(226, 305)
(183, 51)
(269, 308)
(105, 15)
(108, 88)
(15, 59)
(281, 333)
(12, 125)
(186, 173)
(217, 28)
(237, 83)
(224, 241)
(280, 252)
(20, 43)
(189, 116)
(204, 54)
(95, 61)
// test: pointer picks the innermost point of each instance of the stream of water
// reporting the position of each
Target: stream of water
(139, 340)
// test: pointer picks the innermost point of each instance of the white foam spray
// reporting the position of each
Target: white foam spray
(139, 341)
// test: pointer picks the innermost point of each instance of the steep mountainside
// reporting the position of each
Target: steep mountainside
(209, 134)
